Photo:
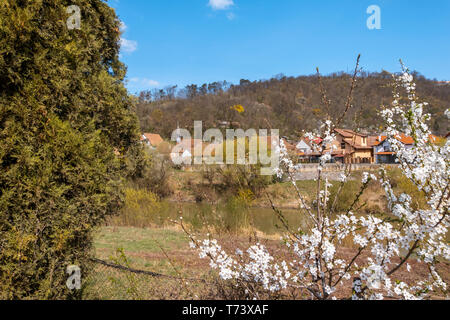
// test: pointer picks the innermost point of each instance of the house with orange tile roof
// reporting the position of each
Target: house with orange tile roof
(153, 140)
(382, 149)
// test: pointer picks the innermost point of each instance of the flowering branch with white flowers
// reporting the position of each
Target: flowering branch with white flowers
(384, 243)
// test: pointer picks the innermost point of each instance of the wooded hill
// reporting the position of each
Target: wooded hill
(291, 104)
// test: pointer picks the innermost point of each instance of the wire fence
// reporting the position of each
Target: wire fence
(113, 281)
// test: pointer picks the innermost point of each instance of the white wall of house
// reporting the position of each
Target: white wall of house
(385, 146)
(303, 147)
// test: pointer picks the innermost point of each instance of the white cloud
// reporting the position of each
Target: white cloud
(150, 83)
(128, 46)
(123, 26)
(220, 4)
(144, 82)
(231, 16)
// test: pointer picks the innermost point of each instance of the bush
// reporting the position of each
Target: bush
(141, 208)
(234, 178)
(67, 127)
(154, 176)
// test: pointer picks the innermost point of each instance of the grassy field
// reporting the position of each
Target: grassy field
(140, 245)
(156, 250)
(167, 252)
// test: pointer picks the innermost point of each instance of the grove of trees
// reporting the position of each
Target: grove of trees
(291, 104)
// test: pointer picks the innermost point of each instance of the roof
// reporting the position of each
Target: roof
(373, 141)
(289, 146)
(401, 137)
(379, 140)
(347, 133)
(351, 142)
(317, 140)
(385, 153)
(436, 140)
(154, 139)
(404, 139)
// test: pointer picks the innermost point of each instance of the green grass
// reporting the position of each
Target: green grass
(142, 251)
(137, 242)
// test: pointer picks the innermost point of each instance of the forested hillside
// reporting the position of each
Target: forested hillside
(291, 104)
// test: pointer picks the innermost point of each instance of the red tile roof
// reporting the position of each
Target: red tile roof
(346, 133)
(154, 139)
(405, 139)
(385, 153)
(401, 137)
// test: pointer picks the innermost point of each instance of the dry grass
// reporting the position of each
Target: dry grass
(143, 251)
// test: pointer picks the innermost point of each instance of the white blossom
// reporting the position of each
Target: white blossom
(421, 232)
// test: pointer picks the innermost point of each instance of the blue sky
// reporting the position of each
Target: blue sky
(179, 42)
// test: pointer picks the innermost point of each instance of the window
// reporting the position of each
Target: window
(343, 145)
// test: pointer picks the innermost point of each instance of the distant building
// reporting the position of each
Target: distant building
(352, 147)
(303, 147)
(443, 83)
(187, 148)
(305, 150)
(152, 140)
(383, 151)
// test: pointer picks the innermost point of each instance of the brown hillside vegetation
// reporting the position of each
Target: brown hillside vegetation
(288, 103)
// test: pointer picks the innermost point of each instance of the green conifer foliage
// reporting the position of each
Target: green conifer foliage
(65, 115)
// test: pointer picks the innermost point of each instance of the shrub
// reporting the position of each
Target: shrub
(234, 178)
(154, 176)
(141, 207)
(67, 127)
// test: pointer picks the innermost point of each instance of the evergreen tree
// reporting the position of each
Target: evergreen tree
(67, 126)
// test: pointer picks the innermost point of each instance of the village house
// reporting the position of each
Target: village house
(383, 152)
(382, 149)
(186, 149)
(305, 150)
(303, 147)
(352, 147)
(152, 140)
(291, 148)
